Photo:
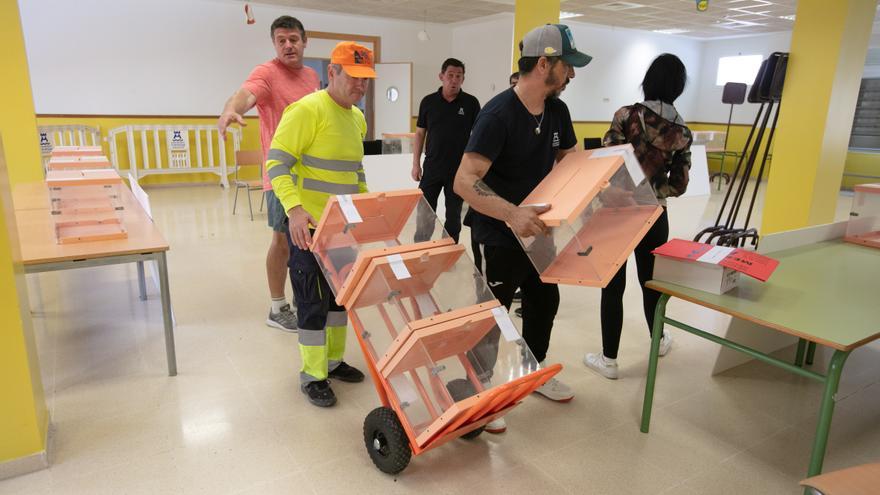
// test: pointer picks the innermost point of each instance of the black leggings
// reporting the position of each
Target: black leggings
(612, 295)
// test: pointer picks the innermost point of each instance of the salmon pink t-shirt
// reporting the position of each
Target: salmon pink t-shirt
(276, 86)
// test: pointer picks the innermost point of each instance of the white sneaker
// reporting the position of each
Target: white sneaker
(555, 390)
(496, 426)
(599, 364)
(665, 343)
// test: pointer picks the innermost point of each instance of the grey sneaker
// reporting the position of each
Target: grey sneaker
(283, 320)
(555, 390)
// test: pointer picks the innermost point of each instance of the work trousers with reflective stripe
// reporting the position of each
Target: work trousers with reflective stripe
(322, 323)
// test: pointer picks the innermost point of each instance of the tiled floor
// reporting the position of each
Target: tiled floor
(234, 420)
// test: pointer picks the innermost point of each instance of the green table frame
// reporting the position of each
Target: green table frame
(813, 287)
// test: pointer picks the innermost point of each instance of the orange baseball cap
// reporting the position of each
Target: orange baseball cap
(356, 60)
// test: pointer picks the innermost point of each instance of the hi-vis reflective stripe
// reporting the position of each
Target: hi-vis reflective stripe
(282, 156)
(332, 165)
(309, 184)
(337, 318)
(278, 171)
(312, 337)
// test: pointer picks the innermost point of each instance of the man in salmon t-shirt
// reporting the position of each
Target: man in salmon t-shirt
(271, 87)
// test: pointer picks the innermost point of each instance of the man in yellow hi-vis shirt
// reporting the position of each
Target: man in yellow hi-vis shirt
(316, 153)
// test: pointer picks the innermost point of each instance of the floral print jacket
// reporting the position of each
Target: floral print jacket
(661, 141)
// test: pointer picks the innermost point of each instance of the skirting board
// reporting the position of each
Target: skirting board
(30, 463)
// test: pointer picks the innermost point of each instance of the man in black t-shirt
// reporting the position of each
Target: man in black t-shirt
(517, 138)
(446, 117)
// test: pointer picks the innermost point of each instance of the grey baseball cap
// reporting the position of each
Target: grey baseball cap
(553, 40)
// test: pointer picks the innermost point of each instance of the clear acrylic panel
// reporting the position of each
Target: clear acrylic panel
(447, 363)
(400, 289)
(863, 226)
(589, 249)
(360, 226)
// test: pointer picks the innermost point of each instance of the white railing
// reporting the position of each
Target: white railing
(66, 135)
(168, 149)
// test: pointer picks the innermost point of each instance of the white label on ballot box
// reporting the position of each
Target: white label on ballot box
(398, 266)
(715, 255)
(349, 210)
(505, 324)
(629, 159)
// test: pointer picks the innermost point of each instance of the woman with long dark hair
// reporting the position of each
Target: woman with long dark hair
(662, 142)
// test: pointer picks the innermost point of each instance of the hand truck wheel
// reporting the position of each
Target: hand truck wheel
(386, 441)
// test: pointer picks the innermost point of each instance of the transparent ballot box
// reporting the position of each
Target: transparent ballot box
(712, 140)
(78, 163)
(444, 355)
(863, 226)
(59, 151)
(86, 205)
(453, 371)
(355, 228)
(396, 290)
(75, 188)
(396, 144)
(597, 216)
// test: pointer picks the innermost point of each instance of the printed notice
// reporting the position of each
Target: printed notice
(715, 255)
(505, 324)
(398, 266)
(349, 210)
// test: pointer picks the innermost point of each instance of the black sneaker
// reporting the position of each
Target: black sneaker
(518, 311)
(517, 296)
(346, 373)
(320, 393)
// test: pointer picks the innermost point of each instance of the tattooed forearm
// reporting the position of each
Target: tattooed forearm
(483, 189)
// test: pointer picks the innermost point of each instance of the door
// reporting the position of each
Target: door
(392, 92)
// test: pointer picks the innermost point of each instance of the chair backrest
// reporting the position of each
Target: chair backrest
(591, 143)
(248, 158)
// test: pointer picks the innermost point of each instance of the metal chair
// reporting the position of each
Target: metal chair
(245, 159)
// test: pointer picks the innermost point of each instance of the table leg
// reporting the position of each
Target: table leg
(721, 170)
(832, 380)
(165, 295)
(811, 352)
(142, 282)
(656, 336)
(799, 357)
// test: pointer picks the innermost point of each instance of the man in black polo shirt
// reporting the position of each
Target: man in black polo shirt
(517, 138)
(446, 117)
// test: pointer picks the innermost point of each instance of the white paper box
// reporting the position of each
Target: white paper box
(698, 275)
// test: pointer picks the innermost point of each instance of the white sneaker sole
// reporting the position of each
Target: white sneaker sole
(279, 326)
(610, 376)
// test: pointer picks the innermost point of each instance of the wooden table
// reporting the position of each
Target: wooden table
(823, 293)
(41, 253)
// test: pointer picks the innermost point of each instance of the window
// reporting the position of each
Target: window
(865, 132)
(741, 68)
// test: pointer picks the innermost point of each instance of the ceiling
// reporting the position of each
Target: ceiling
(724, 18)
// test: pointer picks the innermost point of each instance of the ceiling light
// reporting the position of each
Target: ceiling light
(568, 15)
(672, 31)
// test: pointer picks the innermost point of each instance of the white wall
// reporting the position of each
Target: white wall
(611, 80)
(620, 58)
(170, 57)
(485, 48)
(709, 107)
